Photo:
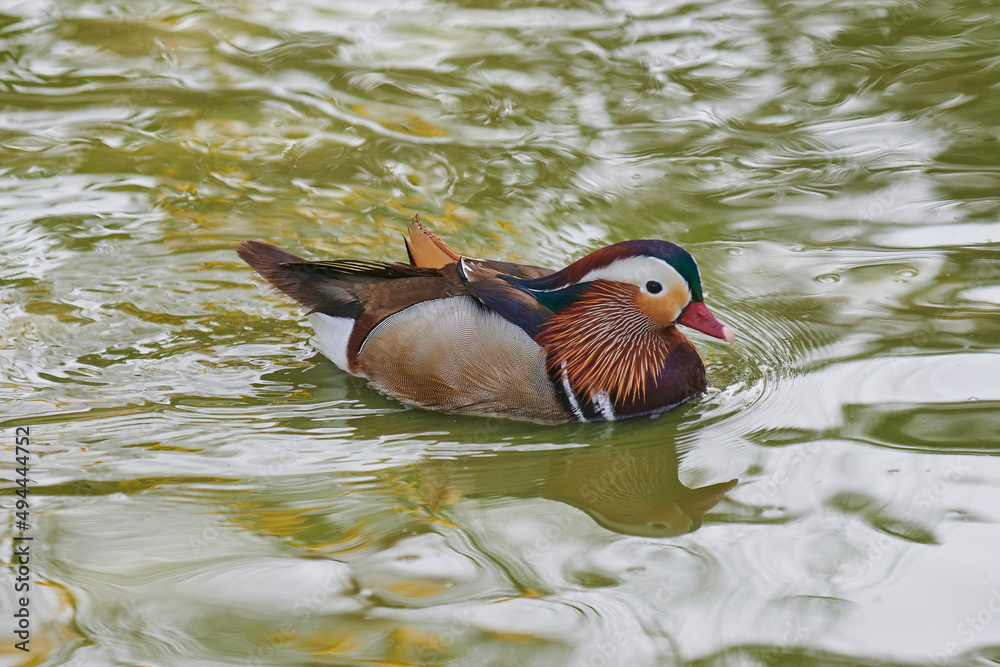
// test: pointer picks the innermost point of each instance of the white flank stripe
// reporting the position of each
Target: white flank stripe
(603, 404)
(569, 393)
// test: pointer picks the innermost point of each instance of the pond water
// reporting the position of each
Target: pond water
(208, 490)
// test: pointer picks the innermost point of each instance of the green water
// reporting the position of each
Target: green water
(208, 490)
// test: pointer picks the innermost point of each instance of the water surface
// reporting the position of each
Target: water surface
(211, 491)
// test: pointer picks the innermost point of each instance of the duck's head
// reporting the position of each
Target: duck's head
(660, 279)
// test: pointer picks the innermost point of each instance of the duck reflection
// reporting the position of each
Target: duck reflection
(626, 489)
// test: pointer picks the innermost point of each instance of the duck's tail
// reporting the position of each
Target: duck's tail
(426, 248)
(299, 278)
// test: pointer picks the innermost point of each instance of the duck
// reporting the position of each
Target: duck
(595, 341)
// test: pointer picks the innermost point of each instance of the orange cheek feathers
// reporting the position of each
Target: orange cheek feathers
(663, 308)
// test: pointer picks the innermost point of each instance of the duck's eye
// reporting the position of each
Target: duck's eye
(654, 287)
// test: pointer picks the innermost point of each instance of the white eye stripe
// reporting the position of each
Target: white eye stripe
(638, 271)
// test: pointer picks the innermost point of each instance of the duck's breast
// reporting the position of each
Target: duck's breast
(681, 377)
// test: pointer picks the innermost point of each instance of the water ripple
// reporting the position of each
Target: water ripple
(832, 167)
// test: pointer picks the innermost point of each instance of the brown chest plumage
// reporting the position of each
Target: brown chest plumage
(605, 348)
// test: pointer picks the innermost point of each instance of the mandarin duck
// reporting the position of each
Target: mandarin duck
(595, 341)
